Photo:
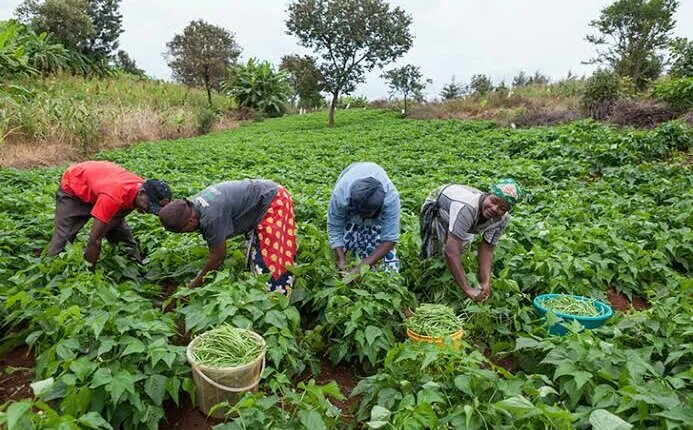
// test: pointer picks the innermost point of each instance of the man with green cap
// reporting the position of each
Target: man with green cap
(453, 214)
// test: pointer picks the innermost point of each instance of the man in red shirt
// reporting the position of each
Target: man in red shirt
(106, 192)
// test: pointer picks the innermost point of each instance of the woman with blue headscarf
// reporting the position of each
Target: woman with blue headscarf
(363, 217)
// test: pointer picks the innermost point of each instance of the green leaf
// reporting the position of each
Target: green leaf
(155, 387)
(16, 415)
(602, 419)
(379, 417)
(275, 318)
(43, 387)
(82, 367)
(312, 420)
(525, 342)
(93, 420)
(372, 332)
(122, 381)
(133, 346)
(101, 377)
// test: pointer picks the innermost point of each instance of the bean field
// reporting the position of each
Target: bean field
(608, 213)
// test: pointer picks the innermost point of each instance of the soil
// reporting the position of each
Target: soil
(346, 377)
(185, 416)
(16, 373)
(620, 302)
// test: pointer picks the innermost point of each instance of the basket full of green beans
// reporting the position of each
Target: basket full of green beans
(433, 323)
(226, 361)
(591, 313)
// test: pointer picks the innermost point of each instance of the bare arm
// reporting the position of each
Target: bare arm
(214, 261)
(340, 256)
(98, 231)
(378, 253)
(485, 259)
(452, 251)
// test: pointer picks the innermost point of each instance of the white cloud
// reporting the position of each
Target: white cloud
(452, 37)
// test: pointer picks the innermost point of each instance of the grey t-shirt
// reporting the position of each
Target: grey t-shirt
(459, 209)
(230, 208)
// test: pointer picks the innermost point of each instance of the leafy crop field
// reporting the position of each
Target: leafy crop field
(607, 210)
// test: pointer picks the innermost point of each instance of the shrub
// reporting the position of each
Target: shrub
(259, 86)
(640, 113)
(206, 118)
(600, 93)
(678, 92)
(346, 102)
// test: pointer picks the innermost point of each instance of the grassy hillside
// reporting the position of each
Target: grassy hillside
(65, 117)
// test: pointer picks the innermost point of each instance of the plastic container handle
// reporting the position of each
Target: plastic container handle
(229, 389)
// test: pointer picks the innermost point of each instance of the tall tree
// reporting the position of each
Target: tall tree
(352, 37)
(632, 35)
(306, 79)
(202, 56)
(452, 90)
(108, 25)
(681, 54)
(67, 21)
(407, 80)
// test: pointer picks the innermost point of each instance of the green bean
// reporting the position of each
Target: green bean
(227, 346)
(572, 306)
(434, 320)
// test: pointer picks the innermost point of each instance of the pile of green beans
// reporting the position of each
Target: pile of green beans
(434, 320)
(571, 306)
(227, 346)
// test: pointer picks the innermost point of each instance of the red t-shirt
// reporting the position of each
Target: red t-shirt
(109, 187)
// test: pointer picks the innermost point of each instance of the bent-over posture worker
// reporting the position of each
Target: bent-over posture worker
(260, 209)
(106, 192)
(363, 217)
(453, 214)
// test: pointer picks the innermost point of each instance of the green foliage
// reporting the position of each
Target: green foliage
(126, 64)
(452, 90)
(633, 32)
(522, 79)
(480, 85)
(258, 86)
(202, 55)
(678, 92)
(681, 52)
(607, 208)
(352, 102)
(307, 408)
(352, 37)
(602, 89)
(68, 21)
(306, 80)
(23, 53)
(206, 118)
(408, 81)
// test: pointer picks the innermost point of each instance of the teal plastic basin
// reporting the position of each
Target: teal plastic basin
(587, 322)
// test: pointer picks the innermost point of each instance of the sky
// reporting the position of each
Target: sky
(498, 38)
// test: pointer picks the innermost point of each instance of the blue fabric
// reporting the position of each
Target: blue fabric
(362, 241)
(339, 214)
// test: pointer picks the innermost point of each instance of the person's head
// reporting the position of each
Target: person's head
(501, 198)
(152, 196)
(179, 216)
(366, 197)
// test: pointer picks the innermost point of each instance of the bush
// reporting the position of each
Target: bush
(640, 113)
(678, 92)
(601, 91)
(347, 102)
(258, 86)
(206, 118)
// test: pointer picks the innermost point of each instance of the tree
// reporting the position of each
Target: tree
(202, 55)
(452, 90)
(681, 53)
(67, 21)
(127, 64)
(407, 80)
(89, 27)
(633, 33)
(480, 85)
(521, 79)
(306, 80)
(351, 36)
(108, 25)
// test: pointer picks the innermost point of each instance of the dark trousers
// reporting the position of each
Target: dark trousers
(72, 213)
